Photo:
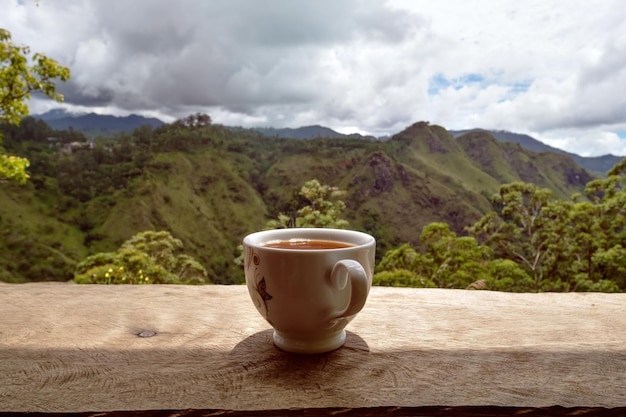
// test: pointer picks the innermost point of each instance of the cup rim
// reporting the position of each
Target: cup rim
(359, 239)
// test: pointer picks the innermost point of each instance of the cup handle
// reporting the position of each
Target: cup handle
(342, 271)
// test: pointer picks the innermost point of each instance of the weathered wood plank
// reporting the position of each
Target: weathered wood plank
(436, 411)
(71, 348)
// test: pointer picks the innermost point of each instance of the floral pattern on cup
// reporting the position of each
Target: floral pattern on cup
(261, 288)
(260, 283)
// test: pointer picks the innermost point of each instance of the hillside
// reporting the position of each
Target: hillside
(210, 186)
(599, 165)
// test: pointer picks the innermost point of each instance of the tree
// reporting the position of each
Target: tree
(610, 194)
(447, 261)
(561, 245)
(320, 207)
(146, 258)
(19, 77)
(516, 230)
(452, 261)
(398, 268)
(507, 275)
(197, 120)
(609, 227)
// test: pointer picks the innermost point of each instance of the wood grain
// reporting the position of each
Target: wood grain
(83, 348)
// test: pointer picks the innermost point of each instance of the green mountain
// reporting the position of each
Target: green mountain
(211, 185)
(599, 165)
(307, 132)
(96, 124)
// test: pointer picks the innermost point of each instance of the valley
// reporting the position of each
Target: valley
(209, 185)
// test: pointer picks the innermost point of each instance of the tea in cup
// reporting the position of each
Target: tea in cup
(309, 283)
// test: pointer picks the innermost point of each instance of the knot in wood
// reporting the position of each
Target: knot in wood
(147, 333)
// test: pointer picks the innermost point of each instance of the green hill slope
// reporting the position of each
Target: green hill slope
(508, 162)
(210, 186)
(598, 165)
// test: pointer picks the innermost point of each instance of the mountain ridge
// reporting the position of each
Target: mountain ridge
(94, 124)
(596, 164)
(309, 132)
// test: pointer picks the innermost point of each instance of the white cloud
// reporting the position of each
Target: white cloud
(552, 67)
(584, 142)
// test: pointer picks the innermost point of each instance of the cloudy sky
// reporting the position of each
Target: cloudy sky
(555, 69)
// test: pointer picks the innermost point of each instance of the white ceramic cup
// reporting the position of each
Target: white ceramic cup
(309, 295)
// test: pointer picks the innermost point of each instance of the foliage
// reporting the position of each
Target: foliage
(400, 278)
(448, 261)
(18, 79)
(529, 242)
(209, 185)
(507, 275)
(117, 187)
(451, 261)
(146, 258)
(515, 230)
(399, 268)
(197, 120)
(561, 245)
(319, 206)
(14, 168)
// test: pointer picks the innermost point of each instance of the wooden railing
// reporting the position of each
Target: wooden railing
(204, 350)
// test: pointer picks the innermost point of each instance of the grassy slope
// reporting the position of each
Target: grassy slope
(435, 149)
(200, 200)
(507, 162)
(29, 231)
(211, 197)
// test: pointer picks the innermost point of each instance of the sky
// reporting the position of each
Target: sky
(553, 69)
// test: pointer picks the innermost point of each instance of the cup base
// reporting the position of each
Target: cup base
(309, 346)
